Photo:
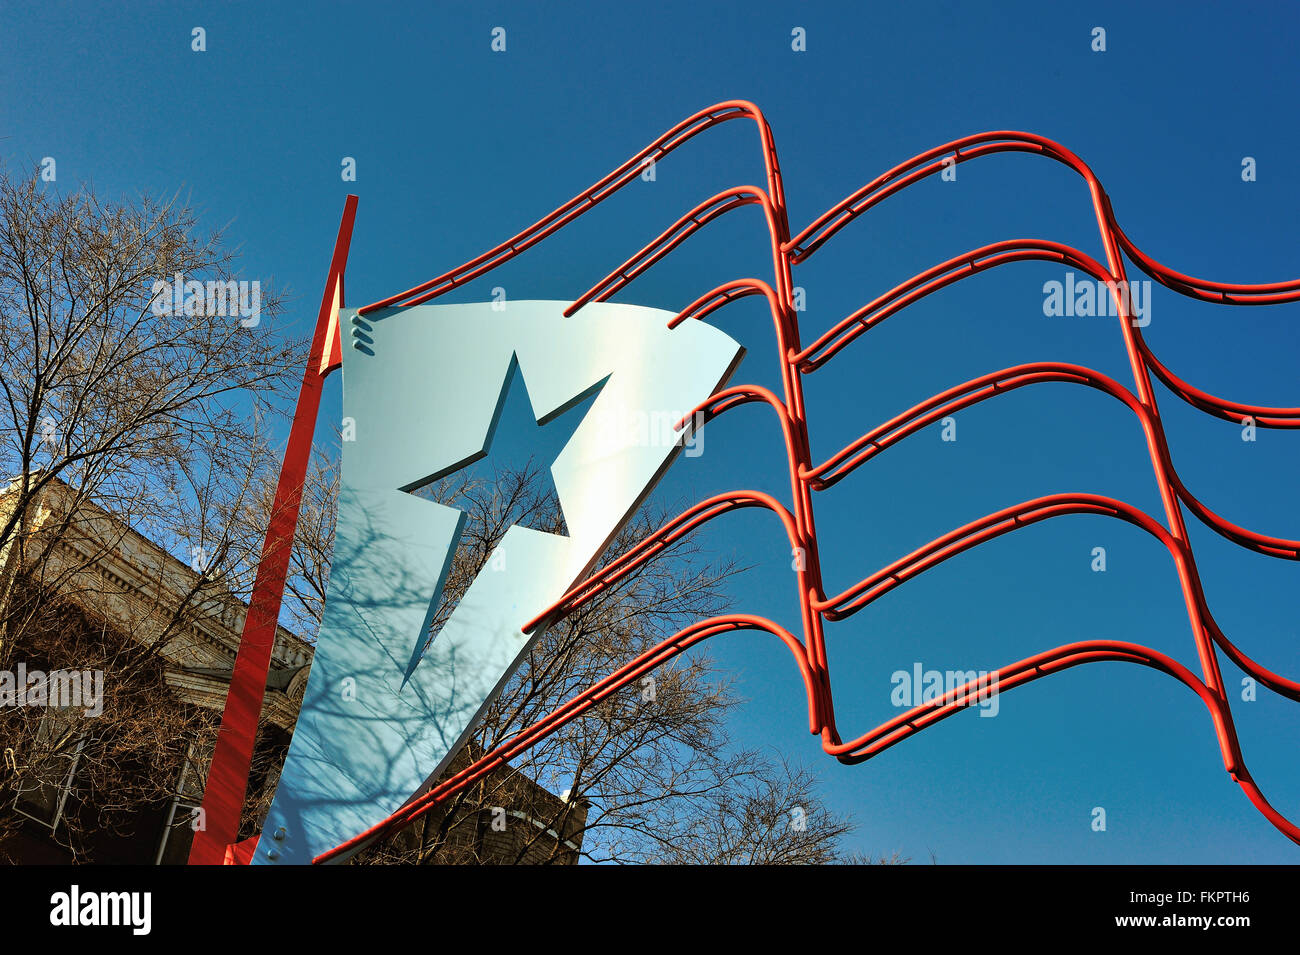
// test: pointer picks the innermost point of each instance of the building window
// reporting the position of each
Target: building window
(178, 831)
(45, 778)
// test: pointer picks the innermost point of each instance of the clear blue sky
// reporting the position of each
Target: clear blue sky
(458, 147)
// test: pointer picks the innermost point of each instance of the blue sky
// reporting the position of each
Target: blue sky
(458, 147)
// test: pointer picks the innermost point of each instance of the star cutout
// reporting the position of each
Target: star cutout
(517, 441)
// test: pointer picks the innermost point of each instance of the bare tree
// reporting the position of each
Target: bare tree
(313, 547)
(139, 378)
(148, 403)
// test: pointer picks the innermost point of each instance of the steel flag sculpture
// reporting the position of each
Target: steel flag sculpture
(423, 388)
(310, 775)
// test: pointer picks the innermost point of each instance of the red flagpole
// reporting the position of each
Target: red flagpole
(227, 785)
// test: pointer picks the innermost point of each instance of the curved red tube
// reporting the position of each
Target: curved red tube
(796, 361)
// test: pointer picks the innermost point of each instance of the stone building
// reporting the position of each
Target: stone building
(504, 819)
(121, 596)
